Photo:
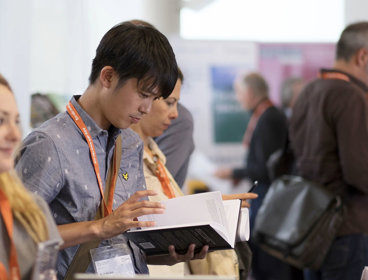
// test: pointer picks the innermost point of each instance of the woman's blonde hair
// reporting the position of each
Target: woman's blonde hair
(24, 208)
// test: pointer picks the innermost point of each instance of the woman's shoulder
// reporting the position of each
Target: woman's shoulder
(50, 222)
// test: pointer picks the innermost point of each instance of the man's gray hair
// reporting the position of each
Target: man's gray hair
(257, 83)
(353, 38)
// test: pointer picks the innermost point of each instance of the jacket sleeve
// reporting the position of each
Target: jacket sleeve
(352, 138)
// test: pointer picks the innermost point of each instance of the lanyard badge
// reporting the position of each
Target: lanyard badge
(45, 263)
(112, 260)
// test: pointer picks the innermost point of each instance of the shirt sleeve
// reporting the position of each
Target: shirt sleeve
(39, 166)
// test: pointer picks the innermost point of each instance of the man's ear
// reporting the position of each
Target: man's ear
(107, 76)
(361, 57)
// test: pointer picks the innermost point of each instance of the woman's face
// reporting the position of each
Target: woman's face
(9, 128)
(163, 111)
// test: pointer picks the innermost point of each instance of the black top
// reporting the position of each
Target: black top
(269, 135)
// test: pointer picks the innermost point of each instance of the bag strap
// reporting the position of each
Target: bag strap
(81, 259)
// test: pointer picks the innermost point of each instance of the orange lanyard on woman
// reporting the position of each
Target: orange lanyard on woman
(161, 174)
(164, 179)
(79, 122)
(6, 213)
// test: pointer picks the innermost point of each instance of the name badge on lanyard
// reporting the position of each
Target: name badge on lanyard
(45, 263)
(112, 259)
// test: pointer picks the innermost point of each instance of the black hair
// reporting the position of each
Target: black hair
(180, 75)
(137, 51)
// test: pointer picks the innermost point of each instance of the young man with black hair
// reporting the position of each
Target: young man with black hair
(67, 159)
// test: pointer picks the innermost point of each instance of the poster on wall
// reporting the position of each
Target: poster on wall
(209, 69)
(229, 118)
(281, 61)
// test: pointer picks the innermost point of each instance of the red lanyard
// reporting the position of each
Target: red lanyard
(79, 122)
(6, 213)
(334, 75)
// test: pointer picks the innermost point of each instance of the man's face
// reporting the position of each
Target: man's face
(366, 74)
(362, 58)
(244, 96)
(127, 104)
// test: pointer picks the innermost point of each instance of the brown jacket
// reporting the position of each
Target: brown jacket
(329, 136)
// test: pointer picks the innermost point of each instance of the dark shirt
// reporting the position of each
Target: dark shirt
(269, 135)
(329, 136)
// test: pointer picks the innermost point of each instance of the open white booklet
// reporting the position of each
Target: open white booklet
(202, 219)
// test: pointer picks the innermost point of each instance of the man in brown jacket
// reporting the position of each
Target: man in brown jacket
(329, 136)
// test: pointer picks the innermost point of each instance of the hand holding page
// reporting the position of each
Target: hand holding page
(200, 219)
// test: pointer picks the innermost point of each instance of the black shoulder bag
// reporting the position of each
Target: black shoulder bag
(298, 221)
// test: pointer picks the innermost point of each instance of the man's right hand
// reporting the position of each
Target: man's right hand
(124, 217)
(119, 221)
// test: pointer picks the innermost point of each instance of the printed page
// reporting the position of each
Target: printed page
(232, 208)
(190, 209)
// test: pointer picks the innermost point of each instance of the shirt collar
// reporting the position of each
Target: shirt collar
(354, 80)
(91, 125)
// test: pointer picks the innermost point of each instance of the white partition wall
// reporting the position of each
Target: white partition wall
(47, 45)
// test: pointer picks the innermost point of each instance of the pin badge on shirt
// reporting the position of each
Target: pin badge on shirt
(125, 175)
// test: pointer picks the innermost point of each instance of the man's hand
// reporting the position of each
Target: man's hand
(223, 173)
(124, 217)
(119, 221)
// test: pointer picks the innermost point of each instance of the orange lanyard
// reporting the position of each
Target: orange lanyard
(164, 179)
(79, 122)
(334, 75)
(6, 213)
(161, 174)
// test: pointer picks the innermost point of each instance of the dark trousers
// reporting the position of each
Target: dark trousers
(345, 260)
(244, 254)
(265, 266)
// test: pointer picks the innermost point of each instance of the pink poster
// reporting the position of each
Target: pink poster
(278, 61)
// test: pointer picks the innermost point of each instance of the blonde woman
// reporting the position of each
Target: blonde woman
(159, 179)
(25, 221)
